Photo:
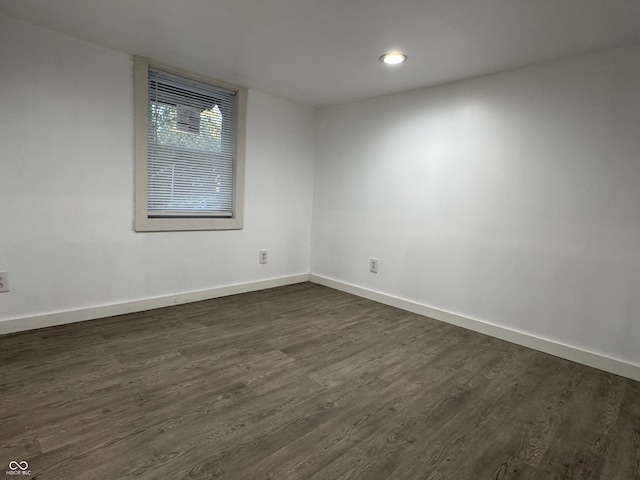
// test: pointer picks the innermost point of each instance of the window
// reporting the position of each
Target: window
(189, 151)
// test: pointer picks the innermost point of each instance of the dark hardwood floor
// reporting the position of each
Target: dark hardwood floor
(304, 382)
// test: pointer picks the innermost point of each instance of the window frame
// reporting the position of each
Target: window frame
(142, 221)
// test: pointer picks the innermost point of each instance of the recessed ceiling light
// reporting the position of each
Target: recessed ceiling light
(393, 58)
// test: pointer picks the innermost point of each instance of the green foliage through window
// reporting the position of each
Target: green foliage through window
(208, 136)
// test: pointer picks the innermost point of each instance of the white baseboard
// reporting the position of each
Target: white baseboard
(601, 362)
(90, 313)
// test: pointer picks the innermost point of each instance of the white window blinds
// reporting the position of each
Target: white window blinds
(191, 148)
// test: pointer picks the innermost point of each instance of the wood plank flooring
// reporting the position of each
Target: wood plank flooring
(304, 382)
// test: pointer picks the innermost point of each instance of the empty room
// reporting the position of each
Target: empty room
(320, 239)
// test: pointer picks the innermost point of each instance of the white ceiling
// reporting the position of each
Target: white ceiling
(325, 52)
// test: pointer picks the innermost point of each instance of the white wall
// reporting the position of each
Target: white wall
(512, 199)
(66, 186)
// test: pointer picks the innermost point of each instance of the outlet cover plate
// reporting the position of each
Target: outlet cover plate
(4, 282)
(373, 265)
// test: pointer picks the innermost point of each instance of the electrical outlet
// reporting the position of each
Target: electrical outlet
(373, 265)
(263, 256)
(4, 282)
